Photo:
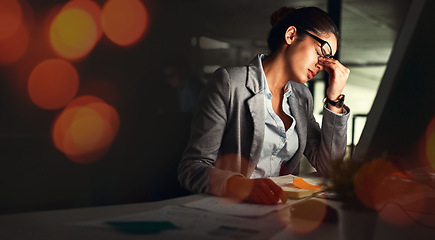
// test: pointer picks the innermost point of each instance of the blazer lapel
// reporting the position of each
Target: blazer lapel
(255, 83)
(256, 108)
(300, 116)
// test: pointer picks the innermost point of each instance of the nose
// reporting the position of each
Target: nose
(319, 66)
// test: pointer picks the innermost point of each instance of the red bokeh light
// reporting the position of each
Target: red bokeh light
(10, 17)
(124, 21)
(53, 83)
(16, 21)
(13, 47)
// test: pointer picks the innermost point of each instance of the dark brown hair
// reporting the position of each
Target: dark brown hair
(312, 19)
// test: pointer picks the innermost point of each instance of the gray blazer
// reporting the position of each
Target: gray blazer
(228, 130)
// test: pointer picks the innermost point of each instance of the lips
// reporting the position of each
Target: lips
(311, 74)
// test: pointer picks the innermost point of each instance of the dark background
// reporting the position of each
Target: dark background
(140, 165)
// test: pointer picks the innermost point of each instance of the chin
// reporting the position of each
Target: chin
(301, 80)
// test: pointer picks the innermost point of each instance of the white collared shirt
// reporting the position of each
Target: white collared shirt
(279, 145)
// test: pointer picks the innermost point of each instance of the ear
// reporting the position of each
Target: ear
(290, 34)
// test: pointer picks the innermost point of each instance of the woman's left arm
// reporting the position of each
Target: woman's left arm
(338, 75)
(329, 142)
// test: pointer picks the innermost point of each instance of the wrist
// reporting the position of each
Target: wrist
(233, 183)
(236, 187)
(335, 109)
(335, 105)
(337, 102)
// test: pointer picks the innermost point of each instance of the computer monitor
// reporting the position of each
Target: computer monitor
(404, 107)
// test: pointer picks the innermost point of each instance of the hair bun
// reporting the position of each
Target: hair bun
(280, 14)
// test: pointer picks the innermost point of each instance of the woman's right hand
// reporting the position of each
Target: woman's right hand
(260, 190)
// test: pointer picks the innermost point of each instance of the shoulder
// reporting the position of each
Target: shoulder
(301, 90)
(232, 76)
(242, 77)
(302, 94)
(234, 73)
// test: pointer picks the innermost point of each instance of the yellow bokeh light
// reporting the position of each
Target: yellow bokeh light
(73, 33)
(85, 129)
(90, 7)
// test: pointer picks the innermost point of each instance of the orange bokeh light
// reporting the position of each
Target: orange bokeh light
(380, 185)
(124, 21)
(53, 83)
(226, 163)
(395, 195)
(73, 33)
(10, 17)
(12, 48)
(368, 178)
(307, 215)
(430, 143)
(85, 130)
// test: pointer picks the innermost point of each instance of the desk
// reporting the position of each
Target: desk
(350, 224)
(54, 224)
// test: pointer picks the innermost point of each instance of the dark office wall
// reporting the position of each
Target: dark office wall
(141, 163)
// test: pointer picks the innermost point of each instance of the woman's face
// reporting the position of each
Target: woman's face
(302, 57)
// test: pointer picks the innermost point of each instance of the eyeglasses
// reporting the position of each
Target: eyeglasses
(324, 45)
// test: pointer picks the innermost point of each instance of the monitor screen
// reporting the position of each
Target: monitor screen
(401, 122)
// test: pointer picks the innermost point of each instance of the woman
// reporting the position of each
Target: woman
(256, 121)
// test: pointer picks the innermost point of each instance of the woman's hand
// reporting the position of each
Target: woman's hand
(261, 190)
(338, 75)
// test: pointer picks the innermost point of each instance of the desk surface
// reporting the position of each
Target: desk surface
(57, 224)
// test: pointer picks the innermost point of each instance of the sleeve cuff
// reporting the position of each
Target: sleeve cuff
(346, 110)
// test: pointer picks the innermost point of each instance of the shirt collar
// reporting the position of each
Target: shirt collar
(287, 89)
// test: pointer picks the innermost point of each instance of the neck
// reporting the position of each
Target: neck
(275, 75)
